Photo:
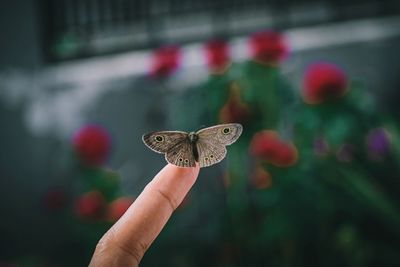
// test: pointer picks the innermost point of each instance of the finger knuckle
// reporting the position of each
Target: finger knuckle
(172, 202)
(109, 244)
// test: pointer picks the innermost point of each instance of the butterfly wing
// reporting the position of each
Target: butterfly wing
(209, 152)
(174, 144)
(161, 142)
(212, 141)
(181, 154)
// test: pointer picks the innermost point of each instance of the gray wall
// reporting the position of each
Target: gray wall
(20, 41)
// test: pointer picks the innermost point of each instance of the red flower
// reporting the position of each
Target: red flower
(92, 144)
(324, 81)
(165, 61)
(118, 207)
(261, 179)
(90, 205)
(234, 110)
(218, 56)
(267, 146)
(268, 47)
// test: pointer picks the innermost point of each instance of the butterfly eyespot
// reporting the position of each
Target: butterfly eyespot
(180, 159)
(159, 138)
(211, 156)
(206, 158)
(226, 130)
(186, 161)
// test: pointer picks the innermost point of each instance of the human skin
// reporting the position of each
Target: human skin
(125, 243)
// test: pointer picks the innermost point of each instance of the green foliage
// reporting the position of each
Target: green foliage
(333, 209)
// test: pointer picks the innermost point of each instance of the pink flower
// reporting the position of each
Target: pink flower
(268, 47)
(267, 146)
(118, 207)
(217, 55)
(92, 143)
(91, 205)
(324, 81)
(165, 61)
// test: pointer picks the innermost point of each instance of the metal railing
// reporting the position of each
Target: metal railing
(82, 28)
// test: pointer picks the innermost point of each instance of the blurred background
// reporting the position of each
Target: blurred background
(313, 181)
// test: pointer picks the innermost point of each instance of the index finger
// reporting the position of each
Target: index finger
(143, 221)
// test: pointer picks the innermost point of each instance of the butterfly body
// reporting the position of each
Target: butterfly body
(206, 146)
(193, 137)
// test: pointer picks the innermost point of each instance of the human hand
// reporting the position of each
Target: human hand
(125, 243)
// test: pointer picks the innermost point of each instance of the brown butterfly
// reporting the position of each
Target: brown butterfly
(206, 146)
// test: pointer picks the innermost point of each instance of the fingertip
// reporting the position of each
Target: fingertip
(174, 182)
(191, 172)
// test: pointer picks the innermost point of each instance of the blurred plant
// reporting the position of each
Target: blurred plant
(321, 146)
(261, 178)
(322, 189)
(378, 144)
(94, 190)
(345, 153)
(234, 110)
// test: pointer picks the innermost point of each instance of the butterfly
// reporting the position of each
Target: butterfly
(206, 146)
